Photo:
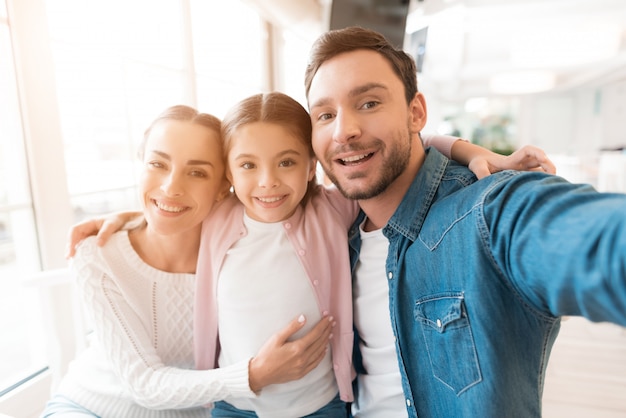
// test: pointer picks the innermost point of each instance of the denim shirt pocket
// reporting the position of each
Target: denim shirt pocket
(449, 340)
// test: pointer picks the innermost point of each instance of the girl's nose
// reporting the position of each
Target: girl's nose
(268, 179)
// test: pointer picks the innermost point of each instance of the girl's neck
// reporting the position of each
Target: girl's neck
(177, 253)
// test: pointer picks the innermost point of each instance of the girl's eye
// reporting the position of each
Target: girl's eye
(286, 163)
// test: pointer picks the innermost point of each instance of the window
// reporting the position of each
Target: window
(71, 128)
(18, 241)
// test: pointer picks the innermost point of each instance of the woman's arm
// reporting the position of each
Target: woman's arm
(484, 162)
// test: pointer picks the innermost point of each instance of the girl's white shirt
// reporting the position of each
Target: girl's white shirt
(261, 284)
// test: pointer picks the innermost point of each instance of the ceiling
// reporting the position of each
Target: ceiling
(557, 44)
(472, 45)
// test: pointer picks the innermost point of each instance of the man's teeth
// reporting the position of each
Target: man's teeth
(167, 208)
(354, 158)
(269, 199)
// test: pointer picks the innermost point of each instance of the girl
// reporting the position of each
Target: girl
(138, 292)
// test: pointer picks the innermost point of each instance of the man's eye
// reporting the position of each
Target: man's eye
(369, 105)
(156, 164)
(325, 116)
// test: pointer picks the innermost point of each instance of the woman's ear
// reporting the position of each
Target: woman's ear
(224, 187)
(313, 168)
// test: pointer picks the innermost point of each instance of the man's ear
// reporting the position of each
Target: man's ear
(417, 113)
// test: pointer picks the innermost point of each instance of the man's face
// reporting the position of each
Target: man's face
(362, 126)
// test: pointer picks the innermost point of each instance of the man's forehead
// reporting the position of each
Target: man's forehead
(348, 68)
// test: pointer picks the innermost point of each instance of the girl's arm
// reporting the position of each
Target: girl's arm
(484, 162)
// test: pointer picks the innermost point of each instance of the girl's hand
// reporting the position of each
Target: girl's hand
(280, 361)
(102, 227)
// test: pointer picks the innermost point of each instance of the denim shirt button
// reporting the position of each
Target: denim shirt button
(408, 402)
(439, 323)
(390, 275)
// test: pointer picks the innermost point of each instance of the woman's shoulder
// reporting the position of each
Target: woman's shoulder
(90, 255)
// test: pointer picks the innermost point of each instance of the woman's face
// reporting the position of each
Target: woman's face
(182, 176)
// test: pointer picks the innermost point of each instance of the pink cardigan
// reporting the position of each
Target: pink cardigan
(318, 233)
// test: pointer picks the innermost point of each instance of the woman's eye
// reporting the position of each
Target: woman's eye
(156, 164)
(198, 173)
(247, 166)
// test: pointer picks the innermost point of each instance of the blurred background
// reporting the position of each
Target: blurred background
(81, 79)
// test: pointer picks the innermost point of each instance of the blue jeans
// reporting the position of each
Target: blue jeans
(334, 409)
(62, 406)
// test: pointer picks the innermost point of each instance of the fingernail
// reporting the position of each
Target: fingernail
(301, 318)
(330, 336)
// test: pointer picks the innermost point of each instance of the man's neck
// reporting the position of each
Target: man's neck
(381, 208)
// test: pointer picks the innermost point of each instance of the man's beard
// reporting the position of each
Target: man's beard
(395, 162)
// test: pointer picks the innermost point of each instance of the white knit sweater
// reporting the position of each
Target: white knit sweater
(142, 349)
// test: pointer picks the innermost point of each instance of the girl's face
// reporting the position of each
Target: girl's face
(270, 169)
(182, 176)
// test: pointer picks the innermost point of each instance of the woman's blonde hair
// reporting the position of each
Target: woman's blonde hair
(181, 113)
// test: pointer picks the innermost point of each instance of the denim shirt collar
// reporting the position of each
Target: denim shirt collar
(409, 216)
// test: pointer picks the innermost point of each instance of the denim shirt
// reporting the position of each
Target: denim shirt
(480, 273)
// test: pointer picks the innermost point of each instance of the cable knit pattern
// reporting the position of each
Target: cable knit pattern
(139, 362)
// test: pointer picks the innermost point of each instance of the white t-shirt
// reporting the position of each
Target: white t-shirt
(379, 392)
(261, 287)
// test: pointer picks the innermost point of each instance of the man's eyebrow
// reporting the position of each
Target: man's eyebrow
(189, 162)
(352, 93)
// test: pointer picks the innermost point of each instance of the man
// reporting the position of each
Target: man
(478, 273)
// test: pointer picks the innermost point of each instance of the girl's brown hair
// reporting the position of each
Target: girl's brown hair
(277, 108)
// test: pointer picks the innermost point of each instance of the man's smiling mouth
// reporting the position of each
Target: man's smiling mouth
(355, 159)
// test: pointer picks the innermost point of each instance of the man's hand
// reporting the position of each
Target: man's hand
(103, 228)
